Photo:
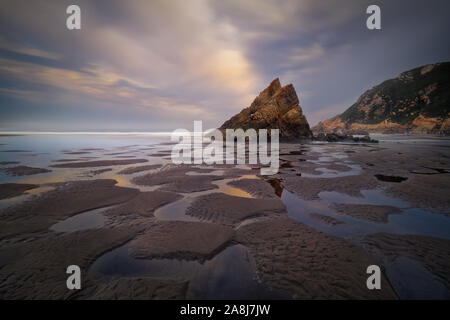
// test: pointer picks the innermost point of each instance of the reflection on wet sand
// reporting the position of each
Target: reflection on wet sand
(228, 275)
(338, 208)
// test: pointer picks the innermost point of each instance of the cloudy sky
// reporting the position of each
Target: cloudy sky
(159, 65)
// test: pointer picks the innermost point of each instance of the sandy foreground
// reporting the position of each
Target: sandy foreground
(308, 232)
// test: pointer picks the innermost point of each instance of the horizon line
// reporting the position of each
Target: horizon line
(86, 132)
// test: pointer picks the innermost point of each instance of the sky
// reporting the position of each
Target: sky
(159, 65)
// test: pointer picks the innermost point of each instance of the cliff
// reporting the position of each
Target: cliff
(417, 101)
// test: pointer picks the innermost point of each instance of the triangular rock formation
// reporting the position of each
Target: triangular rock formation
(275, 107)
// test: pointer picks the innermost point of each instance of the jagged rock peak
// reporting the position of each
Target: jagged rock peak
(276, 107)
(268, 92)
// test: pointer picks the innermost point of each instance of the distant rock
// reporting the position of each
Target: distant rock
(275, 107)
(417, 101)
(337, 137)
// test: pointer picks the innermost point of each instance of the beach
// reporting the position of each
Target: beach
(141, 227)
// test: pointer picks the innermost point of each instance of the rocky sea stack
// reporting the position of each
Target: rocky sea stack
(417, 101)
(275, 107)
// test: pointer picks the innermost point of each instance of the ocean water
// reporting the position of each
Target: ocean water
(429, 140)
(41, 150)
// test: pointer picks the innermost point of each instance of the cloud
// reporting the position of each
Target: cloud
(300, 55)
(88, 81)
(28, 50)
(155, 55)
(27, 95)
(230, 69)
(172, 62)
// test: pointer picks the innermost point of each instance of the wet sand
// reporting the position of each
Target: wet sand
(308, 263)
(144, 204)
(181, 240)
(11, 190)
(4, 163)
(175, 179)
(24, 170)
(258, 188)
(66, 200)
(308, 232)
(325, 219)
(230, 210)
(36, 269)
(136, 288)
(433, 253)
(139, 169)
(98, 163)
(367, 212)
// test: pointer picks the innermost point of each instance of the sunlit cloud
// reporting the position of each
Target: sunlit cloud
(89, 81)
(13, 47)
